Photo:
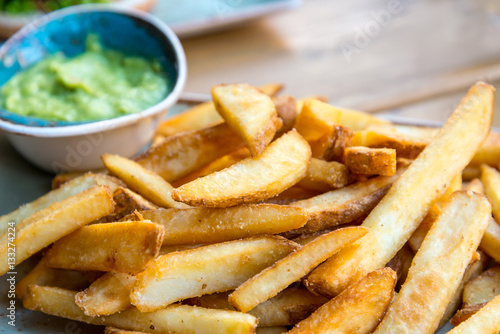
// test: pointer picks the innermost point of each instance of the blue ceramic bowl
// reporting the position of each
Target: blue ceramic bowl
(129, 31)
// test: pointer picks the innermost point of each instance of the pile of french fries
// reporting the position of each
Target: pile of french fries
(258, 213)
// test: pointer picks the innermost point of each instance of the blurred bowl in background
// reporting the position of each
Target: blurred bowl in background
(57, 146)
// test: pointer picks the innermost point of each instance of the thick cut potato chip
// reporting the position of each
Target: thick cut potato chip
(280, 166)
(53, 223)
(179, 155)
(439, 265)
(344, 205)
(108, 294)
(67, 190)
(325, 175)
(147, 183)
(400, 212)
(274, 279)
(181, 319)
(214, 268)
(357, 309)
(249, 112)
(370, 161)
(486, 320)
(121, 247)
(209, 225)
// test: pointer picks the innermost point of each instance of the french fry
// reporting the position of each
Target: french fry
(62, 178)
(335, 143)
(490, 243)
(249, 112)
(489, 152)
(292, 194)
(43, 275)
(113, 330)
(202, 115)
(52, 223)
(474, 269)
(357, 309)
(358, 120)
(370, 161)
(214, 268)
(182, 319)
(186, 152)
(439, 265)
(126, 202)
(286, 107)
(281, 165)
(287, 308)
(121, 247)
(208, 225)
(109, 294)
(67, 190)
(344, 205)
(324, 175)
(377, 137)
(486, 320)
(465, 313)
(490, 178)
(141, 180)
(215, 166)
(400, 212)
(274, 279)
(483, 288)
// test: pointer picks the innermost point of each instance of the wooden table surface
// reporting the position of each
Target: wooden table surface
(413, 58)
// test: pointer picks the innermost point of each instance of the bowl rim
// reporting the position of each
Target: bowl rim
(112, 123)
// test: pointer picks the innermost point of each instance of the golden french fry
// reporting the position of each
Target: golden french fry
(490, 178)
(113, 330)
(398, 214)
(286, 107)
(182, 319)
(62, 178)
(249, 112)
(287, 308)
(67, 190)
(281, 165)
(357, 309)
(274, 279)
(358, 120)
(209, 225)
(292, 194)
(324, 175)
(108, 294)
(179, 155)
(489, 152)
(52, 223)
(486, 320)
(382, 137)
(483, 288)
(43, 275)
(126, 202)
(202, 115)
(141, 180)
(121, 247)
(344, 205)
(370, 161)
(215, 166)
(474, 269)
(214, 268)
(490, 243)
(442, 259)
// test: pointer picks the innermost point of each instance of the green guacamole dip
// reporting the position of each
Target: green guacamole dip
(97, 84)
